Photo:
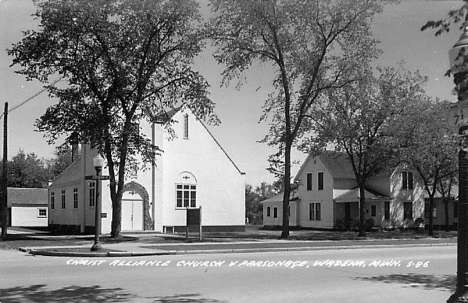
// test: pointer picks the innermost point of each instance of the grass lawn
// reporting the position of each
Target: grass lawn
(29, 238)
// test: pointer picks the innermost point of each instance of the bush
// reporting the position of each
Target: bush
(340, 224)
(419, 222)
(369, 224)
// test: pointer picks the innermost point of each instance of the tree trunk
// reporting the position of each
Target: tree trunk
(114, 193)
(116, 218)
(362, 211)
(430, 214)
(446, 207)
(287, 190)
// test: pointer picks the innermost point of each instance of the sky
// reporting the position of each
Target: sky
(397, 28)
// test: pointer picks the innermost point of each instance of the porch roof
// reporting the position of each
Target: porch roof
(352, 195)
(279, 198)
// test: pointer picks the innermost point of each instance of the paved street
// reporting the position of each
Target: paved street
(409, 274)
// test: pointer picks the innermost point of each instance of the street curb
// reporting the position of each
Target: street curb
(94, 254)
(44, 252)
(283, 249)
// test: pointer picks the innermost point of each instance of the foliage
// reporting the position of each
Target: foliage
(253, 210)
(124, 62)
(368, 120)
(27, 171)
(432, 151)
(62, 160)
(253, 197)
(312, 45)
(454, 16)
(461, 59)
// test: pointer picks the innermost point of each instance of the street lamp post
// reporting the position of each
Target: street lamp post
(98, 163)
(460, 72)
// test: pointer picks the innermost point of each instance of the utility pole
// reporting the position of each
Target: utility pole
(460, 74)
(3, 186)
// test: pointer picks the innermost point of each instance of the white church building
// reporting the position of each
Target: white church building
(193, 171)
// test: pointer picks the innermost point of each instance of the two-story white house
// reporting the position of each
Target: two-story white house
(328, 197)
(193, 171)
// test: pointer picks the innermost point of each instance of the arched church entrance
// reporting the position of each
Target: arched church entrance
(135, 208)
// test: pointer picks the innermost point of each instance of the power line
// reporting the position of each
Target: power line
(32, 97)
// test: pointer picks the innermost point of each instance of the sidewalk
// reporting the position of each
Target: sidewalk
(140, 247)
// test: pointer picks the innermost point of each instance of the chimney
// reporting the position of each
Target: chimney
(73, 139)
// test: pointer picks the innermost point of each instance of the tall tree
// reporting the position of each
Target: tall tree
(251, 204)
(26, 170)
(312, 45)
(432, 152)
(367, 119)
(124, 62)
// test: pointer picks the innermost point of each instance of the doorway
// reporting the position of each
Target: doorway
(132, 214)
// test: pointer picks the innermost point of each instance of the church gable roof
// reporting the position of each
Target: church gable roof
(69, 175)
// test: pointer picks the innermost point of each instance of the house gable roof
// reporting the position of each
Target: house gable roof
(279, 198)
(336, 163)
(27, 196)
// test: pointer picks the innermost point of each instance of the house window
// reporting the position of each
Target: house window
(92, 194)
(408, 210)
(63, 199)
(268, 211)
(315, 211)
(318, 211)
(186, 195)
(52, 200)
(387, 210)
(407, 178)
(320, 180)
(42, 213)
(275, 212)
(455, 209)
(373, 210)
(186, 126)
(309, 181)
(75, 198)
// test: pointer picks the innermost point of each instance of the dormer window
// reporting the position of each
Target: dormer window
(186, 126)
(407, 180)
(309, 181)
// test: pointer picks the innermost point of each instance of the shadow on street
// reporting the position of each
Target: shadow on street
(40, 293)
(429, 282)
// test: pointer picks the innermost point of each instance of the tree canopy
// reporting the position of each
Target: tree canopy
(368, 120)
(123, 62)
(27, 171)
(312, 45)
(432, 152)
